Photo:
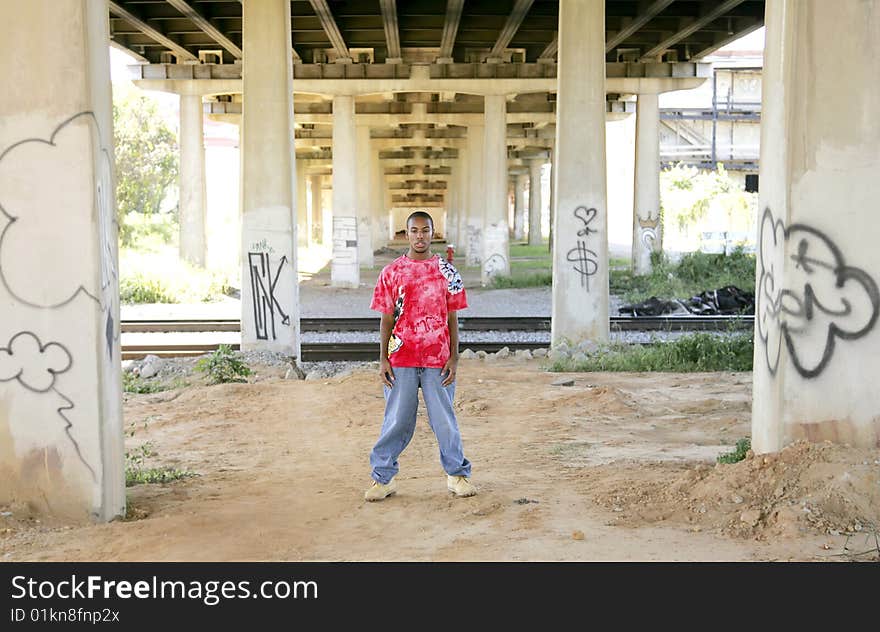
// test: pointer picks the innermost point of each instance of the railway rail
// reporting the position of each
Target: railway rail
(318, 351)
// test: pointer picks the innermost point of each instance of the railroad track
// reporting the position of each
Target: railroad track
(313, 352)
(477, 323)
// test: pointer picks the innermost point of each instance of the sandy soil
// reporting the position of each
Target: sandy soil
(615, 467)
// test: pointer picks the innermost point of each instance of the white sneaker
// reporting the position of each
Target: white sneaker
(461, 486)
(378, 491)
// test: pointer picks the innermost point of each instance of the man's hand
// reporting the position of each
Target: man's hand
(449, 371)
(386, 373)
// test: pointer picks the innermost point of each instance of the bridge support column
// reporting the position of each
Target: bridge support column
(381, 220)
(344, 268)
(818, 265)
(519, 206)
(303, 225)
(646, 236)
(317, 202)
(61, 426)
(364, 204)
(496, 237)
(535, 202)
(476, 198)
(270, 291)
(580, 251)
(192, 180)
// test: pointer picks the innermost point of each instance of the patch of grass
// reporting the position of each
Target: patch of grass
(742, 448)
(131, 383)
(694, 273)
(524, 250)
(537, 265)
(538, 279)
(695, 352)
(223, 366)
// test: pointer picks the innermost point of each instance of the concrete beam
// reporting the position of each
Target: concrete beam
(392, 36)
(514, 21)
(709, 11)
(329, 23)
(620, 78)
(151, 32)
(741, 28)
(646, 11)
(450, 29)
(206, 26)
(549, 53)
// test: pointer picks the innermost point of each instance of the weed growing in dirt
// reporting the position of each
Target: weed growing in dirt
(742, 448)
(695, 352)
(136, 471)
(223, 366)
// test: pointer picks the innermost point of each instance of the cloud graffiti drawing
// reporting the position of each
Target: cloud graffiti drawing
(44, 237)
(32, 363)
(35, 366)
(808, 297)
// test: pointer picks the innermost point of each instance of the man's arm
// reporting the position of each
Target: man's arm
(386, 373)
(451, 365)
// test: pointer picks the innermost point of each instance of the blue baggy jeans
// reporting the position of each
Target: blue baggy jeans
(401, 404)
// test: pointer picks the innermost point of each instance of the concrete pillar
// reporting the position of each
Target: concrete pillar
(364, 194)
(580, 252)
(345, 266)
(519, 207)
(381, 219)
(535, 202)
(270, 291)
(496, 237)
(303, 227)
(473, 241)
(317, 202)
(61, 427)
(192, 180)
(646, 237)
(817, 348)
(454, 205)
(551, 196)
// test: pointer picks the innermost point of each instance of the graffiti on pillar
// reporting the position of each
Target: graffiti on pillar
(41, 219)
(23, 165)
(811, 302)
(495, 264)
(345, 240)
(585, 260)
(474, 245)
(35, 366)
(648, 231)
(265, 303)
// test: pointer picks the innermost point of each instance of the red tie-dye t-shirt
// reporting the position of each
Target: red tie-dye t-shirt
(420, 294)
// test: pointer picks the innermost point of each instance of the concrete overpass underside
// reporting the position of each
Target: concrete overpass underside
(396, 105)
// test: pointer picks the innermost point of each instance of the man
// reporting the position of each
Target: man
(418, 295)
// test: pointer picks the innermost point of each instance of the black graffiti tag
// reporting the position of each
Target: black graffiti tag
(265, 303)
(586, 260)
(818, 301)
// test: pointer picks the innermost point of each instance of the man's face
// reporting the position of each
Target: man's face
(419, 233)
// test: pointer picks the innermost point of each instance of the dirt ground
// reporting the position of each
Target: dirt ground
(615, 467)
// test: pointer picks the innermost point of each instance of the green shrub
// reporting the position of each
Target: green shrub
(694, 273)
(139, 289)
(690, 353)
(742, 448)
(223, 366)
(161, 277)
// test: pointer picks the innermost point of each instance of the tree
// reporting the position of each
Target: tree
(146, 159)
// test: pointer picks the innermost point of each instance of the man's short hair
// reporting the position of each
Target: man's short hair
(421, 214)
